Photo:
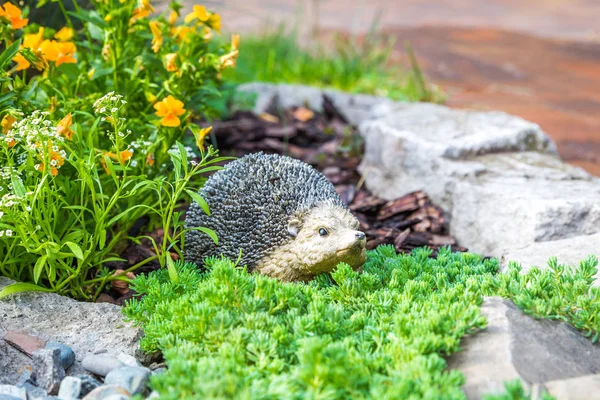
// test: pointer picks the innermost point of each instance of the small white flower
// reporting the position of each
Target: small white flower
(103, 110)
(9, 232)
(55, 149)
(1, 233)
(38, 227)
(134, 163)
(114, 110)
(28, 208)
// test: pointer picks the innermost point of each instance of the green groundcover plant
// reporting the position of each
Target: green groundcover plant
(381, 333)
(94, 117)
(348, 64)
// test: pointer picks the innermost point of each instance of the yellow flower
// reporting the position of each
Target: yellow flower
(59, 52)
(13, 14)
(56, 161)
(143, 10)
(90, 74)
(215, 22)
(199, 12)
(7, 123)
(171, 59)
(65, 34)
(157, 39)
(235, 41)
(200, 135)
(170, 109)
(173, 17)
(31, 41)
(63, 127)
(181, 32)
(150, 159)
(123, 157)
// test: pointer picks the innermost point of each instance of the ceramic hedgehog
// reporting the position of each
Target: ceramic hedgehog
(284, 216)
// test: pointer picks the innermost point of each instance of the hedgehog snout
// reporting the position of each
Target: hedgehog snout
(360, 235)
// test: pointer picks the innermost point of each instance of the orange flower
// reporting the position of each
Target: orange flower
(157, 39)
(63, 127)
(123, 157)
(142, 11)
(170, 109)
(199, 13)
(31, 41)
(228, 60)
(65, 34)
(21, 61)
(7, 123)
(171, 59)
(200, 135)
(150, 159)
(13, 14)
(59, 52)
(56, 161)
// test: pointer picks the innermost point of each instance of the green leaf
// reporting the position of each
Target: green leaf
(75, 249)
(102, 239)
(172, 270)
(21, 287)
(209, 232)
(18, 186)
(8, 54)
(183, 153)
(200, 200)
(39, 266)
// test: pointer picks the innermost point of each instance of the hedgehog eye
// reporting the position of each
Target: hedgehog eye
(323, 232)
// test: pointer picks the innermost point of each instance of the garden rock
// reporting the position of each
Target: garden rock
(10, 391)
(105, 392)
(67, 356)
(580, 388)
(516, 346)
(88, 383)
(48, 371)
(101, 364)
(34, 392)
(70, 388)
(567, 251)
(83, 326)
(133, 379)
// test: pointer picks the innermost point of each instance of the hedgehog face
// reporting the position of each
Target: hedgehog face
(325, 237)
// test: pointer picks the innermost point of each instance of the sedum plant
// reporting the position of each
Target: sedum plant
(94, 116)
(380, 333)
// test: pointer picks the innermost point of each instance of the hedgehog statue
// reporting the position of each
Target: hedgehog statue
(284, 216)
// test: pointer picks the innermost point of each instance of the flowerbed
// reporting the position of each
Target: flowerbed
(94, 124)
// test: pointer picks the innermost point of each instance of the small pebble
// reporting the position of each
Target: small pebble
(103, 392)
(153, 395)
(13, 391)
(101, 364)
(134, 379)
(48, 371)
(70, 388)
(88, 383)
(128, 360)
(67, 356)
(100, 351)
(34, 392)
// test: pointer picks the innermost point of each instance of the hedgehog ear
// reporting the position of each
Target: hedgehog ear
(293, 227)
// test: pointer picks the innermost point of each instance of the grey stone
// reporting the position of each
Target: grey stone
(159, 371)
(83, 326)
(516, 346)
(88, 383)
(498, 177)
(128, 360)
(101, 364)
(567, 251)
(134, 379)
(34, 392)
(8, 397)
(153, 395)
(580, 388)
(70, 388)
(356, 108)
(13, 391)
(48, 371)
(67, 356)
(104, 392)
